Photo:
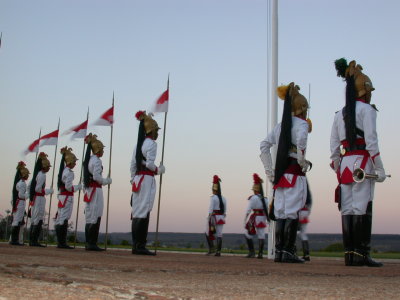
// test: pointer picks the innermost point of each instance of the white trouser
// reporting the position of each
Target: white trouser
(64, 213)
(218, 229)
(18, 216)
(289, 201)
(94, 208)
(303, 232)
(260, 233)
(143, 200)
(356, 196)
(38, 209)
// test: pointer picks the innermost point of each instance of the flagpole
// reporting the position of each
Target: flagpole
(161, 176)
(109, 175)
(80, 182)
(34, 164)
(273, 105)
(52, 183)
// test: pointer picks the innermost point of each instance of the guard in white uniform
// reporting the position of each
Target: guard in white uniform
(216, 217)
(290, 185)
(93, 182)
(143, 170)
(256, 218)
(37, 198)
(19, 196)
(354, 144)
(66, 191)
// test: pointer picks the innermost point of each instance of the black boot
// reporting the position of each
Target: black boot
(31, 235)
(87, 238)
(260, 249)
(289, 252)
(219, 246)
(58, 234)
(279, 236)
(210, 244)
(141, 237)
(37, 229)
(347, 225)
(250, 245)
(134, 233)
(357, 230)
(306, 250)
(15, 236)
(366, 239)
(93, 232)
(64, 233)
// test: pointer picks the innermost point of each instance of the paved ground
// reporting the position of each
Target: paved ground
(34, 273)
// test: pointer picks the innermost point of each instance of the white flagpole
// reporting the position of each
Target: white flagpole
(109, 175)
(80, 181)
(52, 183)
(273, 107)
(161, 176)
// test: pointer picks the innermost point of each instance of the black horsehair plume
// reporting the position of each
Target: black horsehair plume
(341, 66)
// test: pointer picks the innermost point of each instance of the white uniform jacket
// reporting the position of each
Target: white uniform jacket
(65, 197)
(214, 209)
(291, 190)
(19, 209)
(355, 197)
(39, 201)
(143, 182)
(255, 211)
(94, 194)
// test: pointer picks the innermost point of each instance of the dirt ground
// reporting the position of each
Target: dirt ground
(34, 273)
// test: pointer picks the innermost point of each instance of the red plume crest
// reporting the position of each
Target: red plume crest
(140, 115)
(256, 178)
(21, 164)
(216, 179)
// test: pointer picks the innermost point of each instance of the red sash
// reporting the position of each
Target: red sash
(93, 185)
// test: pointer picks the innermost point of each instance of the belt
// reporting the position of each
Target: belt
(145, 172)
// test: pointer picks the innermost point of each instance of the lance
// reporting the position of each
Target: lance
(109, 175)
(161, 176)
(29, 203)
(52, 183)
(80, 182)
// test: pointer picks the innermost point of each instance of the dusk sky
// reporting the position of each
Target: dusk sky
(57, 58)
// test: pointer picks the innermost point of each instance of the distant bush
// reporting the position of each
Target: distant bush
(336, 247)
(125, 243)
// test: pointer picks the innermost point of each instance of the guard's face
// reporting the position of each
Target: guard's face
(72, 165)
(45, 170)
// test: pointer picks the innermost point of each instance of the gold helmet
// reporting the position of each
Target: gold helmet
(97, 145)
(150, 125)
(69, 157)
(216, 183)
(45, 162)
(257, 186)
(299, 102)
(362, 82)
(21, 167)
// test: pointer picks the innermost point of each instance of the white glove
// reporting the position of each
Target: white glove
(26, 195)
(77, 187)
(380, 171)
(49, 191)
(160, 170)
(107, 181)
(301, 159)
(334, 165)
(266, 159)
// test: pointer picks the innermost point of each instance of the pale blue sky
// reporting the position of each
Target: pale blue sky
(59, 57)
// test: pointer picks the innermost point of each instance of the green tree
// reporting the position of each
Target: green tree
(125, 243)
(336, 247)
